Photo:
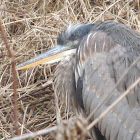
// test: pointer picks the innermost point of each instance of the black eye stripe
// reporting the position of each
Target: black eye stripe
(73, 33)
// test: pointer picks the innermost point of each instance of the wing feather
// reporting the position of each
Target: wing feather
(100, 61)
(103, 64)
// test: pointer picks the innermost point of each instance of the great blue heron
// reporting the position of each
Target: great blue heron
(92, 58)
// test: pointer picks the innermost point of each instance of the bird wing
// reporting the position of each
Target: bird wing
(100, 62)
(65, 85)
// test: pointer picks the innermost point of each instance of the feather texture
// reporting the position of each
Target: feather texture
(101, 59)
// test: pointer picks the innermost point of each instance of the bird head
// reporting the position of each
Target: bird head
(67, 43)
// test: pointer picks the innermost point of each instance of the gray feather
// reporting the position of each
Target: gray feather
(105, 51)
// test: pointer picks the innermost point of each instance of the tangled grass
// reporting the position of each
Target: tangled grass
(32, 27)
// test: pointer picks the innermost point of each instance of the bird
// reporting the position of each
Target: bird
(91, 60)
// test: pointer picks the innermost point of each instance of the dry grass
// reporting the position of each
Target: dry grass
(32, 26)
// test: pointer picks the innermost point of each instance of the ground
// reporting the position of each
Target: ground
(32, 27)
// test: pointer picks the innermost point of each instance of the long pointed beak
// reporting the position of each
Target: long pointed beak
(53, 55)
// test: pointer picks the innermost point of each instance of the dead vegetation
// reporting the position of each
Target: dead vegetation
(32, 27)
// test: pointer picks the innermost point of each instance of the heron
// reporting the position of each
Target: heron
(92, 58)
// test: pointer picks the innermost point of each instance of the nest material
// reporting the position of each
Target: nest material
(32, 27)
(74, 129)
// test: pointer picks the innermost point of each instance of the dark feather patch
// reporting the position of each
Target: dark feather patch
(79, 92)
(76, 32)
(99, 136)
